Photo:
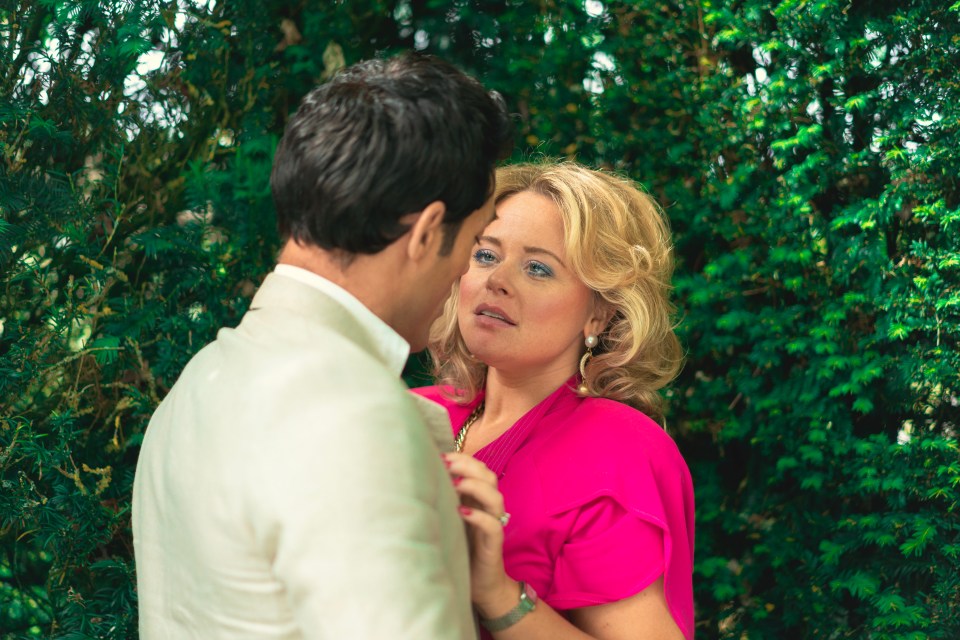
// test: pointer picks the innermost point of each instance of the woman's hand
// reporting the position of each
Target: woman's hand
(495, 593)
(482, 508)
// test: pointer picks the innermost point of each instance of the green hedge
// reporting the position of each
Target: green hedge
(807, 153)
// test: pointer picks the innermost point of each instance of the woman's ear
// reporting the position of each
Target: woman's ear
(600, 317)
(426, 233)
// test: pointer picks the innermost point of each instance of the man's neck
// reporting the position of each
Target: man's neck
(362, 276)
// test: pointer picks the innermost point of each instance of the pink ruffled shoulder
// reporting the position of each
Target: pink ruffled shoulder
(607, 450)
(601, 460)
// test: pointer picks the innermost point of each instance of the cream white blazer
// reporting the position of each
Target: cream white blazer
(290, 487)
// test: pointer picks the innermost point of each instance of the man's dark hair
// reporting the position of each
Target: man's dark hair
(382, 139)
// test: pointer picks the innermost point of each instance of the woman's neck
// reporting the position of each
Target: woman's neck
(509, 397)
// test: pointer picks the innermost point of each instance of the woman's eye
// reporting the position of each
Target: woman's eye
(484, 256)
(539, 270)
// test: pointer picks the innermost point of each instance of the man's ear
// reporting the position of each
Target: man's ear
(426, 234)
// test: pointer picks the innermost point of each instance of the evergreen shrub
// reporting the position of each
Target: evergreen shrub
(807, 154)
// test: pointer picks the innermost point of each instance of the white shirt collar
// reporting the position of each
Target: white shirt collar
(391, 345)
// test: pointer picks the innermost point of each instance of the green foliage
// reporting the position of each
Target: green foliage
(817, 243)
(807, 154)
(125, 222)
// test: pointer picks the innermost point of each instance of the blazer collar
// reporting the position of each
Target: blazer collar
(299, 297)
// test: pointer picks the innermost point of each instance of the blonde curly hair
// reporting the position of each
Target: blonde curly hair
(617, 241)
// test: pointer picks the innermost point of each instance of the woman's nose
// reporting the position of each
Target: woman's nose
(497, 280)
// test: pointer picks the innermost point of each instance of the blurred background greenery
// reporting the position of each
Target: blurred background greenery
(808, 155)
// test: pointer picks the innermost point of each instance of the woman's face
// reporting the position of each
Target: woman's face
(521, 309)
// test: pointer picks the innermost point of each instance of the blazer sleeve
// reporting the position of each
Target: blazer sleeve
(349, 509)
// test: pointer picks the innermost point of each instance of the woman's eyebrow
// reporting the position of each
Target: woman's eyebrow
(496, 242)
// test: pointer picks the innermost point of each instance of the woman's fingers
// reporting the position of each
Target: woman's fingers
(478, 494)
(486, 523)
(482, 509)
(461, 464)
(476, 484)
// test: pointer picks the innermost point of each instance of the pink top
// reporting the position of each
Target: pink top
(601, 502)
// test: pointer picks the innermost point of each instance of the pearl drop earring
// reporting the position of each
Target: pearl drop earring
(590, 342)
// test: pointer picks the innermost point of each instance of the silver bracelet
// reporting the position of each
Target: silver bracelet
(528, 602)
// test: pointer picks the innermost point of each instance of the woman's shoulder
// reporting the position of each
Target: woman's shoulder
(432, 392)
(442, 394)
(606, 448)
(614, 430)
(447, 398)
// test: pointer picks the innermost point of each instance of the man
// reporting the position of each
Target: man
(289, 486)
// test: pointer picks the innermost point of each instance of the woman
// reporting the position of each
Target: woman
(551, 353)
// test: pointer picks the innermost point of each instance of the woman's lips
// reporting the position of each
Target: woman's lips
(495, 316)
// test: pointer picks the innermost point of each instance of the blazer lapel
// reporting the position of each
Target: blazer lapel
(438, 422)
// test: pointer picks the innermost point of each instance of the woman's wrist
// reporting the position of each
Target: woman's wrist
(499, 600)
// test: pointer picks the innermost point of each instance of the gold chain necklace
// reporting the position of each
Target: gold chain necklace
(462, 434)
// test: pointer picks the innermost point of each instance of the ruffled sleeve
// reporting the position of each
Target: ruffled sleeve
(619, 482)
(610, 555)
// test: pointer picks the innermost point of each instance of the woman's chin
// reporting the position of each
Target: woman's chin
(482, 355)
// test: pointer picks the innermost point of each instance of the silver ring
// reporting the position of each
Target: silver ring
(504, 519)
